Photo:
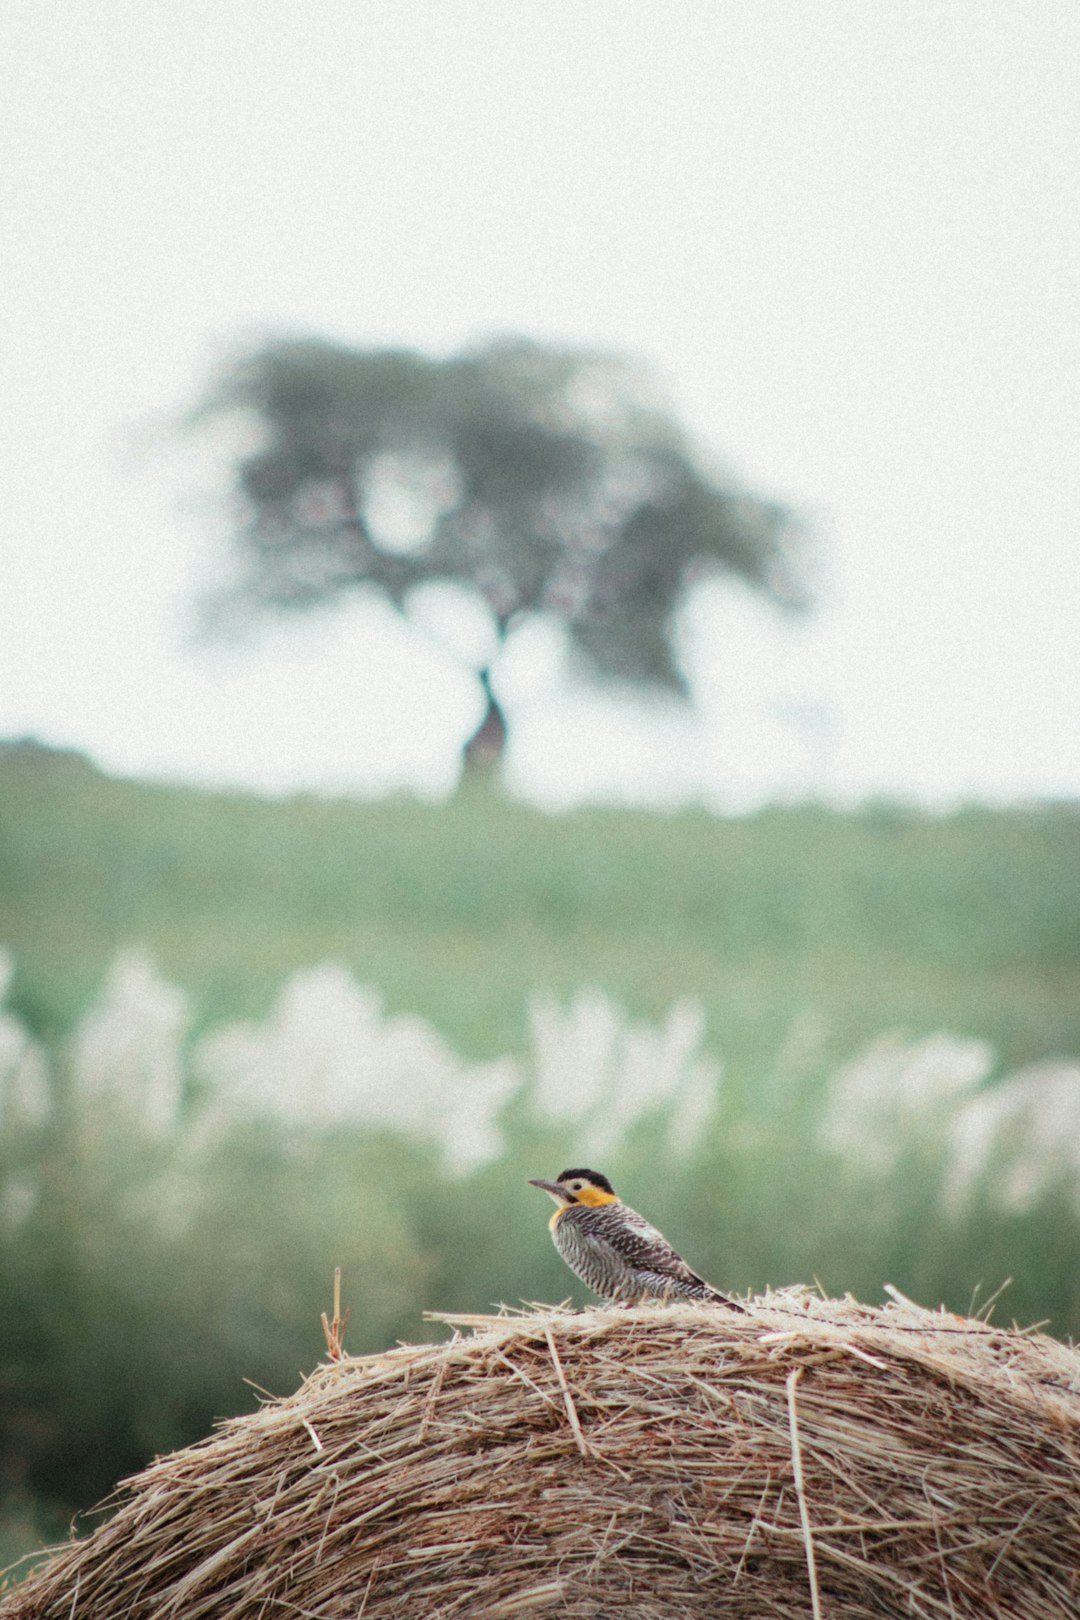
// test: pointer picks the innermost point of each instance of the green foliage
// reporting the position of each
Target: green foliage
(544, 480)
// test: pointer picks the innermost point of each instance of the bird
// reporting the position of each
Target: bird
(615, 1251)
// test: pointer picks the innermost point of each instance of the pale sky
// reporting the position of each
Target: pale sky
(847, 234)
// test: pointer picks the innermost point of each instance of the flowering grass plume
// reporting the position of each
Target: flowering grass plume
(328, 1055)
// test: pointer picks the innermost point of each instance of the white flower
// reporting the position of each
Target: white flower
(595, 1068)
(694, 1108)
(127, 1051)
(894, 1091)
(1021, 1138)
(573, 1051)
(468, 1130)
(328, 1055)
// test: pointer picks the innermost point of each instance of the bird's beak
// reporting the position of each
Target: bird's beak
(552, 1187)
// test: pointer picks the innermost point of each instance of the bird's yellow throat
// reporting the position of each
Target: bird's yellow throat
(593, 1197)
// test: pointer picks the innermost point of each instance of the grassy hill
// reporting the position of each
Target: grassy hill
(878, 920)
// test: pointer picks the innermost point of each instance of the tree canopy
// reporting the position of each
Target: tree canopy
(547, 480)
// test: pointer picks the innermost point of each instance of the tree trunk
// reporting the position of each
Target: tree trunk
(483, 753)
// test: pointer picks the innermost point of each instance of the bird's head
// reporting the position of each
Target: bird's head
(587, 1187)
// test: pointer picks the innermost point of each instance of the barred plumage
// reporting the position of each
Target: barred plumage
(615, 1251)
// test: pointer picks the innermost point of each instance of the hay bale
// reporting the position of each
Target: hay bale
(812, 1458)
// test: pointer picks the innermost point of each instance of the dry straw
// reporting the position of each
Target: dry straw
(812, 1458)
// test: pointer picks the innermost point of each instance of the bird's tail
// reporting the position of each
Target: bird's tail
(714, 1297)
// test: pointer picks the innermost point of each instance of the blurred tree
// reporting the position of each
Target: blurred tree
(546, 480)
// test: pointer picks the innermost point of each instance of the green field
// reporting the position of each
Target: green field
(150, 1277)
(885, 919)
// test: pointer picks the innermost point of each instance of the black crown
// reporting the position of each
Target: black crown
(589, 1175)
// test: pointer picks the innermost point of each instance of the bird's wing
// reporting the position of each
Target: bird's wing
(647, 1249)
